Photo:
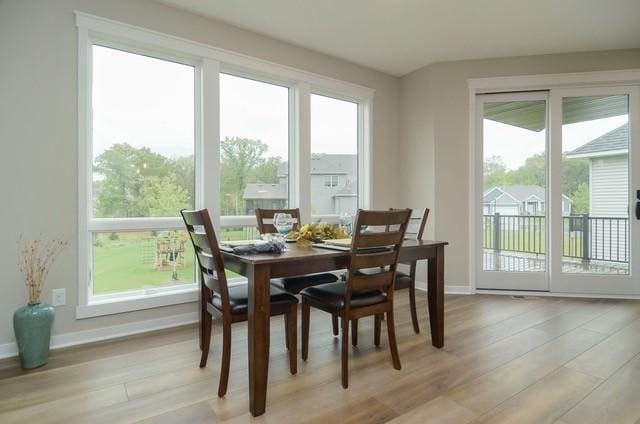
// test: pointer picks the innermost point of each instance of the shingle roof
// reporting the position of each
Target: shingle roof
(519, 192)
(617, 139)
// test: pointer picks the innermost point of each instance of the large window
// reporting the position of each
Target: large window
(254, 146)
(142, 167)
(165, 124)
(334, 156)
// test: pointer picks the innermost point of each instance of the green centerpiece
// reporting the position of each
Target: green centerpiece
(32, 323)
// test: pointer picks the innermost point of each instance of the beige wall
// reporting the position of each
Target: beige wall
(38, 82)
(435, 136)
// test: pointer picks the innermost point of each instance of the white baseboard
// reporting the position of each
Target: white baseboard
(8, 350)
(448, 289)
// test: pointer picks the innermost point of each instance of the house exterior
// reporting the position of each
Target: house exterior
(265, 196)
(608, 172)
(334, 187)
(519, 200)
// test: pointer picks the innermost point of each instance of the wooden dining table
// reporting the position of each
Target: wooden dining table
(260, 268)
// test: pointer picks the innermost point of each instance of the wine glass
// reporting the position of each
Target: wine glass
(346, 222)
(283, 223)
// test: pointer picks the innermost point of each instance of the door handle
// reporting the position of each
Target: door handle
(638, 204)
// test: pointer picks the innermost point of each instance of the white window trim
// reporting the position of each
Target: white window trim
(209, 61)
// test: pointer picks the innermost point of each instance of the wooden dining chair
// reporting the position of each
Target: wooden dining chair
(363, 294)
(295, 284)
(415, 230)
(229, 304)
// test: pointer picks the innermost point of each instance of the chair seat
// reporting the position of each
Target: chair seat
(296, 284)
(239, 299)
(332, 294)
(403, 281)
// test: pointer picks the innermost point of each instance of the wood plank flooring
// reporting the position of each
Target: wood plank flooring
(506, 359)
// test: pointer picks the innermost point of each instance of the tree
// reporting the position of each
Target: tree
(580, 199)
(494, 171)
(532, 172)
(242, 161)
(128, 175)
(162, 196)
(575, 174)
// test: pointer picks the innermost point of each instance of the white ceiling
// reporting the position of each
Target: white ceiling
(399, 36)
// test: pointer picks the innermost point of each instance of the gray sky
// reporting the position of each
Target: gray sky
(149, 102)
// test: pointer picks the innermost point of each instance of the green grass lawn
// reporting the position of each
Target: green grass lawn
(125, 261)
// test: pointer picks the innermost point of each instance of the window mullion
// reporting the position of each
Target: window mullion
(301, 158)
(209, 142)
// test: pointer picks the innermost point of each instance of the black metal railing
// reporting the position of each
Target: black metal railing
(596, 238)
(584, 237)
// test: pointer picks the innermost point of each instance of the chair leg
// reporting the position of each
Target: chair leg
(354, 332)
(306, 312)
(205, 328)
(345, 352)
(393, 346)
(412, 302)
(292, 342)
(377, 327)
(334, 321)
(286, 330)
(226, 358)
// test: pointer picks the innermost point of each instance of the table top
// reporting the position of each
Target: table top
(295, 252)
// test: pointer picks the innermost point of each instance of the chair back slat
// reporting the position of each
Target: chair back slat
(376, 247)
(201, 241)
(264, 217)
(373, 259)
(369, 281)
(383, 218)
(417, 223)
(205, 243)
(375, 239)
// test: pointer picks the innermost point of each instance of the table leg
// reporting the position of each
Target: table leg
(258, 336)
(435, 293)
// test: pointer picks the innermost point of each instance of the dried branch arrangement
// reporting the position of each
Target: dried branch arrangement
(35, 259)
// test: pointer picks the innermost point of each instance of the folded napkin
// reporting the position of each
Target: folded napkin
(267, 247)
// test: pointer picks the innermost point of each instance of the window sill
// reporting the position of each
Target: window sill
(96, 308)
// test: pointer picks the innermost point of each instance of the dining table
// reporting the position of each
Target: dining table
(260, 268)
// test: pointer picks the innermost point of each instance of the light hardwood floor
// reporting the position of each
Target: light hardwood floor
(517, 360)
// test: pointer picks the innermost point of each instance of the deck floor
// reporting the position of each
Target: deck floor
(506, 359)
(525, 262)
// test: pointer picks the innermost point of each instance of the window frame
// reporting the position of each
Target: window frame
(208, 62)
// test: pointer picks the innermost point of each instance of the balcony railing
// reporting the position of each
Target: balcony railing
(584, 237)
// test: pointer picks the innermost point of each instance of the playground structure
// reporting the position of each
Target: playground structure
(169, 252)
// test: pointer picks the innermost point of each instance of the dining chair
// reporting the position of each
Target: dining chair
(415, 230)
(363, 294)
(295, 284)
(229, 304)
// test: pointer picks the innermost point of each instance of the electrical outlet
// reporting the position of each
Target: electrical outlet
(58, 297)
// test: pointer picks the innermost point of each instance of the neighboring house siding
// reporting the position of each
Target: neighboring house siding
(609, 194)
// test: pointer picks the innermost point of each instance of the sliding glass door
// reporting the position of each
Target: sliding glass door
(595, 164)
(558, 191)
(511, 191)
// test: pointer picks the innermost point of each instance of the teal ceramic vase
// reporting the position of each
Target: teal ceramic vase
(32, 327)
